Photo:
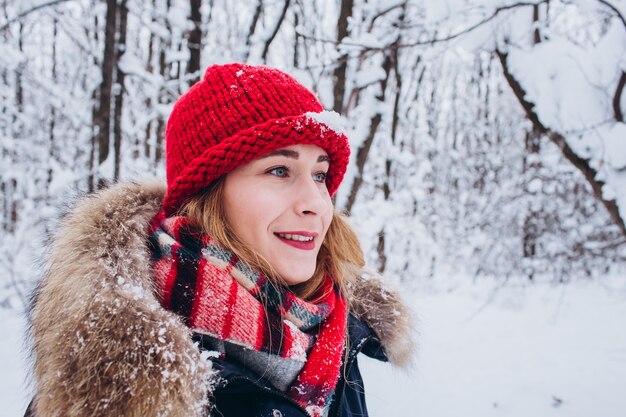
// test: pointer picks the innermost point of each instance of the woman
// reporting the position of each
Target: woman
(237, 291)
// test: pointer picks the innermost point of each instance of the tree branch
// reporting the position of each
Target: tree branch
(432, 41)
(255, 20)
(617, 98)
(194, 43)
(276, 28)
(384, 12)
(615, 10)
(364, 150)
(29, 11)
(558, 139)
(476, 25)
(339, 74)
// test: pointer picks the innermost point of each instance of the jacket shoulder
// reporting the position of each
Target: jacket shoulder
(102, 343)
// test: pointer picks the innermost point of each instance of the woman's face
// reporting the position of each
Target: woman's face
(279, 206)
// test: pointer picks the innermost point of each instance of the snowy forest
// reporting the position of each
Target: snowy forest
(488, 137)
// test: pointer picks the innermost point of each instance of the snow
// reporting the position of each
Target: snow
(177, 16)
(354, 45)
(458, 198)
(26, 5)
(534, 350)
(176, 56)
(10, 57)
(132, 65)
(615, 145)
(565, 91)
(529, 351)
(571, 85)
(370, 76)
(330, 119)
(14, 391)
(610, 160)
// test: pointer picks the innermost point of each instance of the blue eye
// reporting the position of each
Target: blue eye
(278, 171)
(320, 177)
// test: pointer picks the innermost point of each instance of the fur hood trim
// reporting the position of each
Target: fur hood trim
(383, 310)
(103, 345)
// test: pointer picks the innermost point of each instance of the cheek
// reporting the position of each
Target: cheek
(247, 211)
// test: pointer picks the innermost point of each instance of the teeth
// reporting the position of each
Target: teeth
(295, 237)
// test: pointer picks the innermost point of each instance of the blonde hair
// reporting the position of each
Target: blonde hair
(340, 255)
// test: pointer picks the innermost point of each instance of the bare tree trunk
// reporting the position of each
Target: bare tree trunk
(339, 86)
(536, 33)
(9, 190)
(19, 90)
(164, 70)
(364, 150)
(296, 42)
(269, 41)
(195, 42)
(530, 231)
(255, 20)
(92, 178)
(52, 123)
(393, 64)
(102, 120)
(151, 147)
(148, 102)
(19, 104)
(617, 98)
(143, 149)
(5, 209)
(119, 91)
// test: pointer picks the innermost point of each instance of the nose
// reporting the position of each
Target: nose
(311, 198)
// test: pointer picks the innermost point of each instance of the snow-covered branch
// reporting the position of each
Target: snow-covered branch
(615, 10)
(559, 139)
(29, 11)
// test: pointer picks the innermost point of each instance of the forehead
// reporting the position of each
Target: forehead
(300, 152)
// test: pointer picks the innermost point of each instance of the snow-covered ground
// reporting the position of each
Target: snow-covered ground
(13, 386)
(529, 351)
(535, 351)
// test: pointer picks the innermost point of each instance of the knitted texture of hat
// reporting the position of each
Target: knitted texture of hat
(235, 114)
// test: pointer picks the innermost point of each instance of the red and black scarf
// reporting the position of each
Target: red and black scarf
(295, 344)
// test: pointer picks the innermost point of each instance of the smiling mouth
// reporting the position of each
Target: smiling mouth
(300, 240)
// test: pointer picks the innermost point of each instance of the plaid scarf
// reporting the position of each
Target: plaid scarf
(296, 345)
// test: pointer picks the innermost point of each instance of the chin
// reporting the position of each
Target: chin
(294, 279)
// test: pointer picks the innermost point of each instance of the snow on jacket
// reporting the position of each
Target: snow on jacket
(104, 346)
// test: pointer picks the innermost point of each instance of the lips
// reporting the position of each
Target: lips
(299, 240)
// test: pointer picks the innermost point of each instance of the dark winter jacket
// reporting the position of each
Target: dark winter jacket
(245, 394)
(104, 346)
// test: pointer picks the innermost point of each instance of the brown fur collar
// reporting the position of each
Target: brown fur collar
(102, 343)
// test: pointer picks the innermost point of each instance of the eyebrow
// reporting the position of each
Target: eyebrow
(293, 155)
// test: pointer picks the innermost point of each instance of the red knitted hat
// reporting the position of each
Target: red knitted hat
(237, 113)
